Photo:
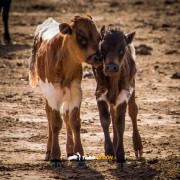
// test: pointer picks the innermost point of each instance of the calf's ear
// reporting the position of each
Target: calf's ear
(89, 16)
(102, 31)
(65, 28)
(130, 37)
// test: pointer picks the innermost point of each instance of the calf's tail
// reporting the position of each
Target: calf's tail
(33, 77)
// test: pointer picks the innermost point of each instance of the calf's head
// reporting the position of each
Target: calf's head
(83, 39)
(113, 47)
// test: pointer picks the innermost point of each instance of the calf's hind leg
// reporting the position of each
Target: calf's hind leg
(49, 143)
(133, 111)
(55, 124)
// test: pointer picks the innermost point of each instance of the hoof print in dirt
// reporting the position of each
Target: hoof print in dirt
(56, 163)
(143, 49)
(169, 52)
(114, 4)
(152, 161)
(166, 25)
(138, 3)
(170, 2)
(176, 75)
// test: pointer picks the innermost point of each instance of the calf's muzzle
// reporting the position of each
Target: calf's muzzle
(111, 68)
(95, 59)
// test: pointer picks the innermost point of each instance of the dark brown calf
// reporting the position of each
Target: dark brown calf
(56, 63)
(116, 89)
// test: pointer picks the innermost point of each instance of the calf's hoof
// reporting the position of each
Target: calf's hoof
(6, 39)
(81, 163)
(138, 147)
(56, 163)
(110, 152)
(138, 153)
(109, 149)
(121, 163)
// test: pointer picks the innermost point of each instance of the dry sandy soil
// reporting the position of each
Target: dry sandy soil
(23, 124)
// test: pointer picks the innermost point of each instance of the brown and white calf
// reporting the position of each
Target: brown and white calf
(56, 63)
(116, 89)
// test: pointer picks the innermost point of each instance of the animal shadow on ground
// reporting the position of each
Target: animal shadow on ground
(99, 169)
(70, 170)
(67, 171)
(134, 169)
(6, 50)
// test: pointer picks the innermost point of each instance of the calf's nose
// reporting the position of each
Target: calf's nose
(111, 68)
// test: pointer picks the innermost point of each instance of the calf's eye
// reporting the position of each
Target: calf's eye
(82, 40)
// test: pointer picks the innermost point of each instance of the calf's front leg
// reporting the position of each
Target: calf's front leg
(75, 124)
(113, 117)
(120, 126)
(55, 124)
(70, 141)
(105, 122)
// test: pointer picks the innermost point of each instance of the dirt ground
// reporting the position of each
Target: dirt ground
(23, 124)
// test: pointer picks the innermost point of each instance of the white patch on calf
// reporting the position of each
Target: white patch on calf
(51, 93)
(48, 29)
(56, 96)
(133, 51)
(75, 98)
(124, 96)
(65, 107)
(103, 97)
(131, 90)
